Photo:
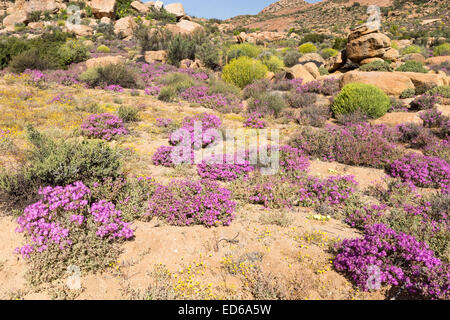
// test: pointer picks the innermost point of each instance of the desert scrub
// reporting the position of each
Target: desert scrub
(244, 71)
(442, 50)
(328, 53)
(307, 48)
(103, 49)
(73, 51)
(408, 93)
(103, 126)
(412, 49)
(54, 162)
(268, 104)
(273, 63)
(291, 57)
(64, 226)
(442, 91)
(376, 66)
(112, 74)
(128, 113)
(412, 66)
(365, 97)
(243, 50)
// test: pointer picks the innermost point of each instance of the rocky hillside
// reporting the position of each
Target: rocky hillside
(341, 15)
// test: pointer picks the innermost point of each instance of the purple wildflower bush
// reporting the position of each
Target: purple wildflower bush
(65, 220)
(113, 88)
(422, 171)
(402, 261)
(187, 203)
(225, 167)
(355, 144)
(103, 126)
(255, 120)
(152, 90)
(208, 125)
(215, 101)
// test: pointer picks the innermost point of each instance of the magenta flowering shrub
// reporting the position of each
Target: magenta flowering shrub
(103, 126)
(278, 191)
(355, 144)
(368, 215)
(63, 77)
(402, 261)
(62, 98)
(163, 122)
(226, 168)
(53, 220)
(292, 160)
(114, 88)
(152, 90)
(255, 120)
(433, 118)
(215, 101)
(422, 171)
(333, 190)
(207, 127)
(36, 77)
(192, 202)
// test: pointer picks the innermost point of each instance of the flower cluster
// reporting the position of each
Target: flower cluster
(163, 122)
(61, 212)
(192, 202)
(152, 90)
(354, 144)
(103, 126)
(254, 120)
(62, 98)
(422, 171)
(36, 77)
(401, 260)
(433, 118)
(113, 87)
(208, 123)
(215, 101)
(226, 168)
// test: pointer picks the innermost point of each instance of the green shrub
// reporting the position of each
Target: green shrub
(103, 49)
(123, 8)
(442, 50)
(340, 43)
(209, 55)
(273, 63)
(28, 60)
(328, 53)
(323, 71)
(128, 114)
(11, 47)
(167, 94)
(243, 49)
(62, 162)
(443, 91)
(307, 48)
(73, 51)
(412, 49)
(162, 15)
(222, 87)
(412, 66)
(153, 39)
(376, 66)
(243, 71)
(178, 81)
(365, 97)
(117, 74)
(181, 47)
(408, 93)
(291, 57)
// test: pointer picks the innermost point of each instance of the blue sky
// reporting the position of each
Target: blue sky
(223, 9)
